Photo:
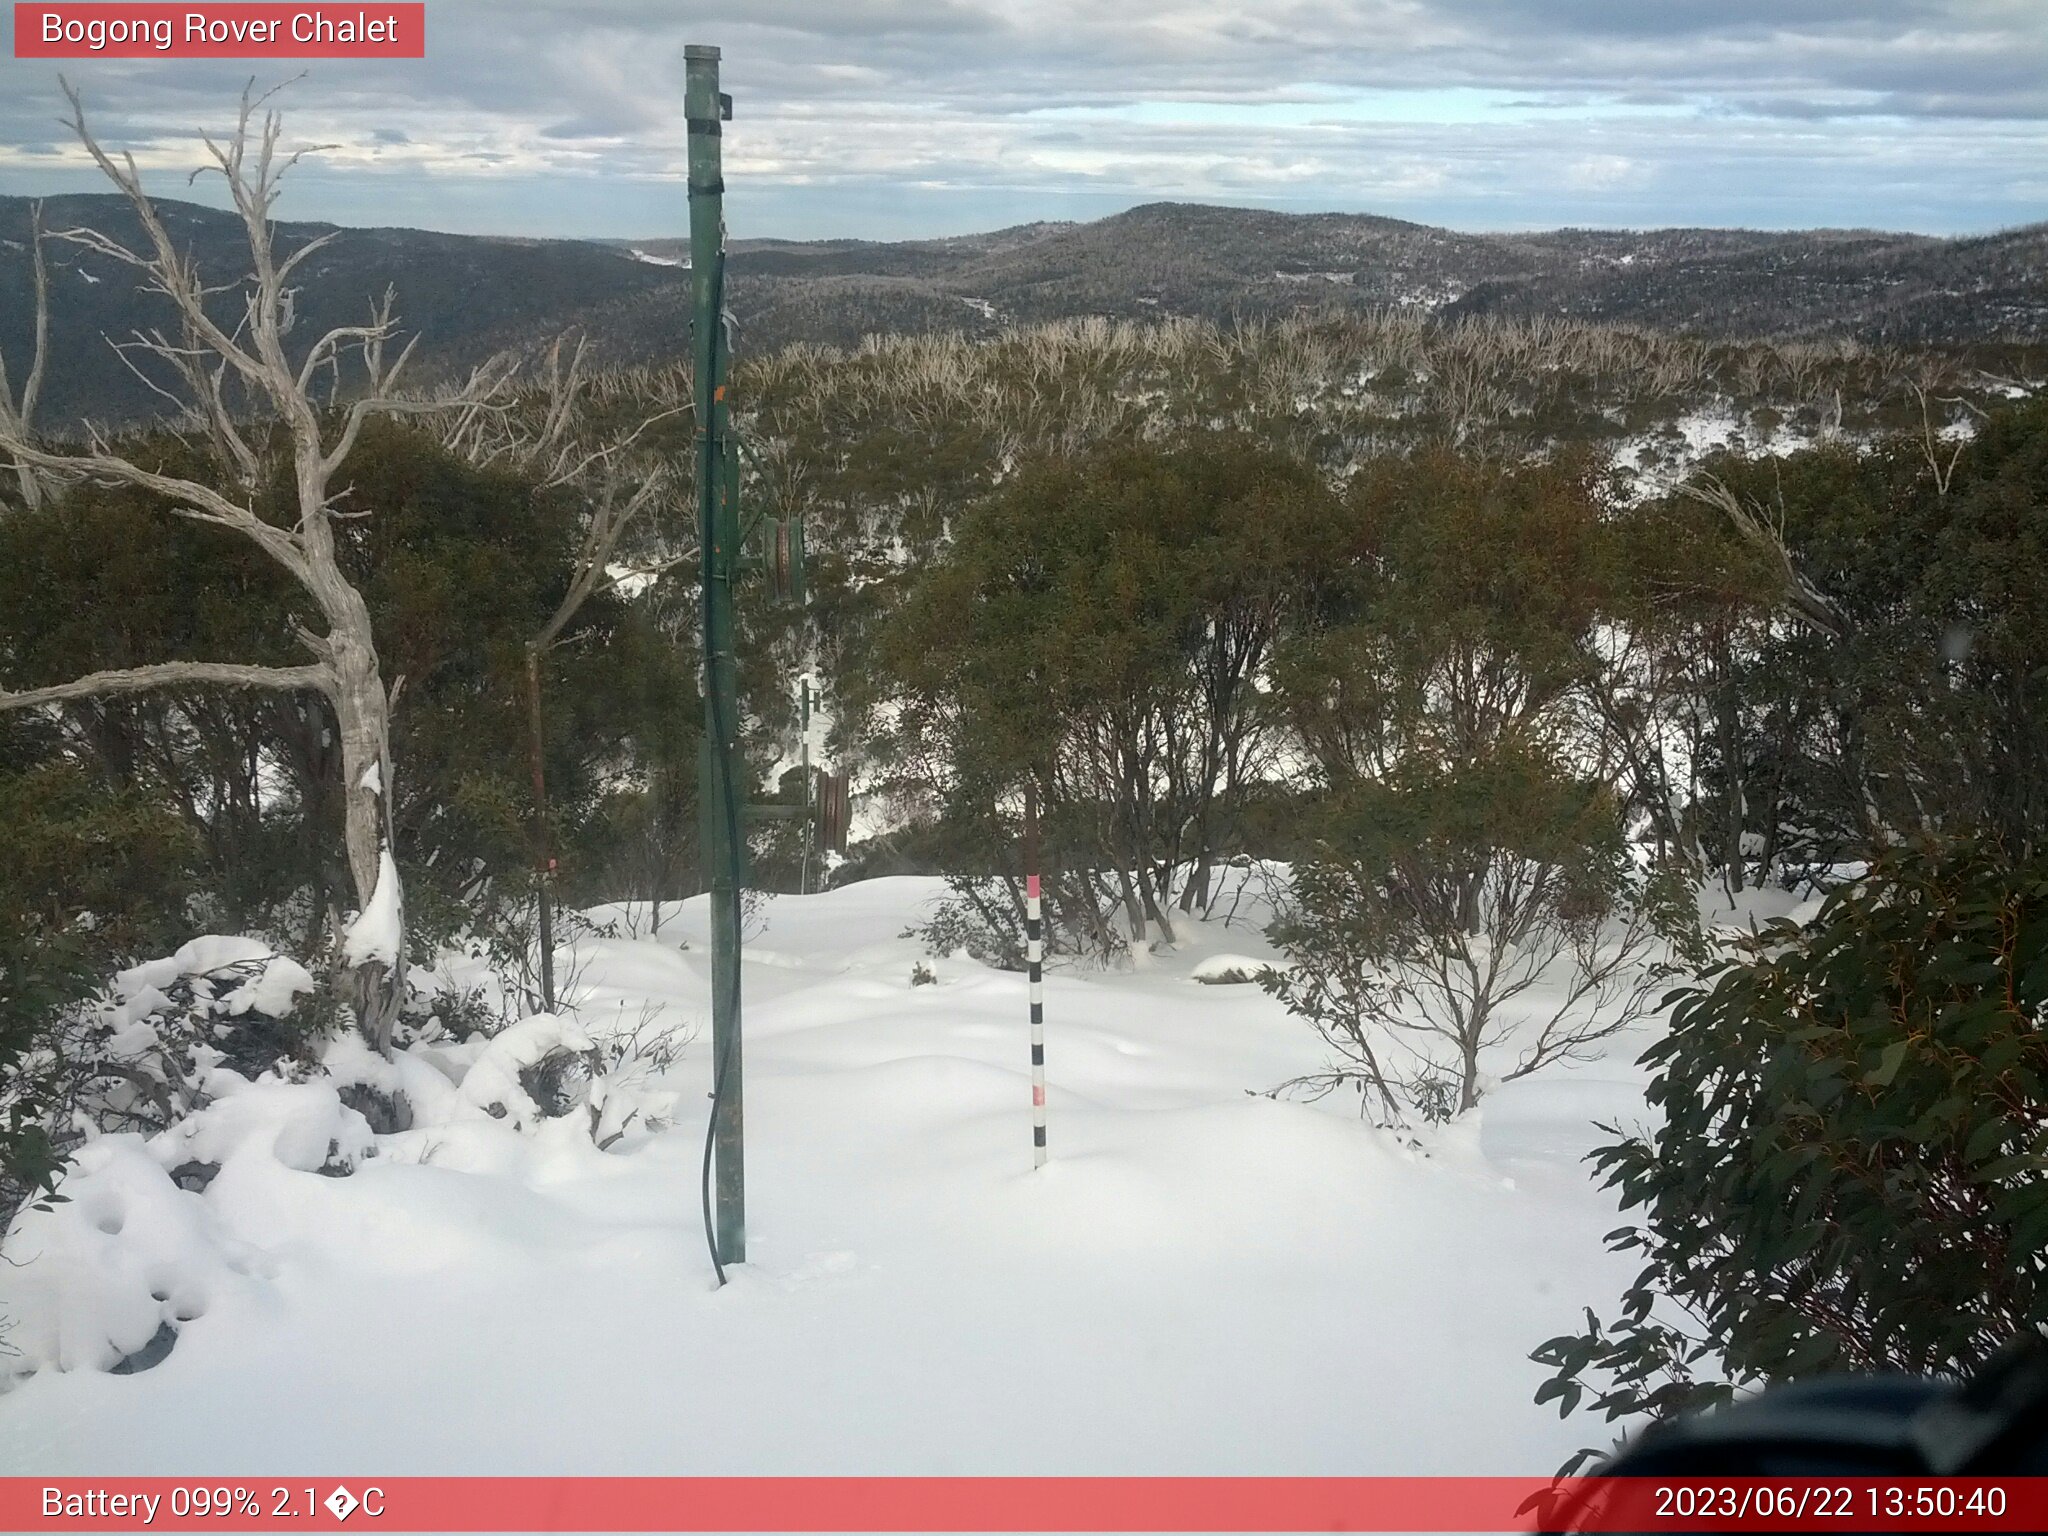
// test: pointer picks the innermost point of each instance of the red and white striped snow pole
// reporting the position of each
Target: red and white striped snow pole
(1034, 954)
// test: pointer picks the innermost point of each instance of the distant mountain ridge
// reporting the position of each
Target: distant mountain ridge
(470, 295)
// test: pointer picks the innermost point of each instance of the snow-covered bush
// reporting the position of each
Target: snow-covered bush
(202, 1090)
(546, 1068)
(621, 1095)
(1231, 970)
(526, 1073)
(139, 1055)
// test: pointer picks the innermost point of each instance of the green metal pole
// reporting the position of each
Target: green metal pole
(718, 531)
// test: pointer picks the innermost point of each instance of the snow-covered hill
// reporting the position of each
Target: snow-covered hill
(1202, 1280)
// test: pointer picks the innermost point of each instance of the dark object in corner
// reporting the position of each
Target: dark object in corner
(1995, 1425)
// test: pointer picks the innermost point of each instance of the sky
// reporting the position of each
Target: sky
(893, 119)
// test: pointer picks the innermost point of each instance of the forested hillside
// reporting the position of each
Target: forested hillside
(470, 296)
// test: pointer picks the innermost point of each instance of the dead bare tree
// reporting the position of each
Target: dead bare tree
(247, 362)
(1764, 533)
(1934, 439)
(544, 436)
(17, 416)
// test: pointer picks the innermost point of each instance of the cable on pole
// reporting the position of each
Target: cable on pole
(1034, 955)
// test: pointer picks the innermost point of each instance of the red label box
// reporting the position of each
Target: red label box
(370, 30)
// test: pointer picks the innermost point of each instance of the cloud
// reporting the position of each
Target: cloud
(1909, 113)
(1600, 173)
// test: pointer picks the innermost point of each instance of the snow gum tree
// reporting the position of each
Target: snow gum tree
(249, 391)
(1466, 886)
(1100, 626)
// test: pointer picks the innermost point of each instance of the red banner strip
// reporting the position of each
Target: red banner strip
(212, 31)
(1193, 1504)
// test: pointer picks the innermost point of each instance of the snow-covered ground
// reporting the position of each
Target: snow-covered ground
(1659, 459)
(1202, 1280)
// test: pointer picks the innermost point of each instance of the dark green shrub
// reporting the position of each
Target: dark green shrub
(1849, 1173)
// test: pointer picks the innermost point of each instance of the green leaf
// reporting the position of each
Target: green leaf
(1888, 1063)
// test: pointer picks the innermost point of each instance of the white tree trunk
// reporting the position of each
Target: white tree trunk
(362, 710)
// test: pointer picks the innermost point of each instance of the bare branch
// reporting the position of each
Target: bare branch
(318, 243)
(31, 390)
(200, 502)
(327, 349)
(172, 674)
(608, 523)
(1930, 437)
(1807, 602)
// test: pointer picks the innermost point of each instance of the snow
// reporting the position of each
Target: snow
(302, 1126)
(375, 932)
(1227, 967)
(630, 581)
(493, 1085)
(1203, 1279)
(274, 990)
(1666, 454)
(268, 983)
(202, 956)
(93, 1279)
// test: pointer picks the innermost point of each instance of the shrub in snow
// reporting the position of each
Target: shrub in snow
(228, 994)
(974, 923)
(44, 980)
(450, 1013)
(620, 1097)
(198, 1101)
(1230, 970)
(392, 1093)
(546, 1068)
(1458, 917)
(524, 1074)
(618, 1102)
(139, 1058)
